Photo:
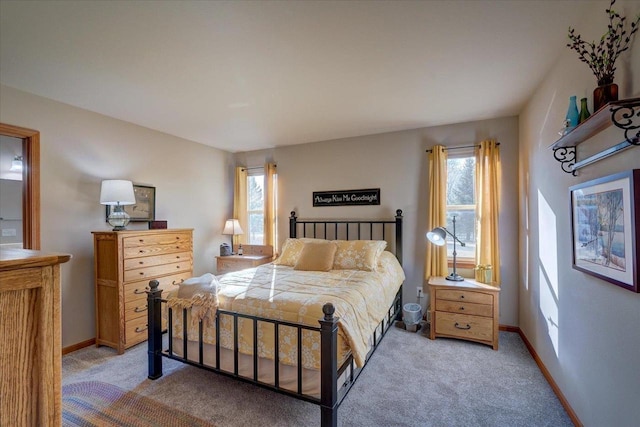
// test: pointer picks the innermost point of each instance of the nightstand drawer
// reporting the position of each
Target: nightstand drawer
(464, 326)
(463, 295)
(484, 310)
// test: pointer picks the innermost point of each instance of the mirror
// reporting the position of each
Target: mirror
(29, 190)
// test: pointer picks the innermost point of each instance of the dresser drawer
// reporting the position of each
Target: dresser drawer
(155, 271)
(150, 261)
(137, 290)
(464, 326)
(156, 239)
(138, 251)
(135, 331)
(463, 295)
(485, 310)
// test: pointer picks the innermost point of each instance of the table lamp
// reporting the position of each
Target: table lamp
(438, 236)
(232, 227)
(117, 193)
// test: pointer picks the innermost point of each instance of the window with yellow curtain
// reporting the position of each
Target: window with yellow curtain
(488, 171)
(461, 204)
(259, 211)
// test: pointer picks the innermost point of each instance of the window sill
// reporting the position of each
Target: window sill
(462, 263)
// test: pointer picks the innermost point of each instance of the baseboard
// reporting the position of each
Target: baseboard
(508, 328)
(563, 400)
(78, 346)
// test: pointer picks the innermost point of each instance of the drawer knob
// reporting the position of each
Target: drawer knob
(178, 257)
(140, 309)
(139, 329)
(141, 240)
(140, 262)
(457, 325)
(177, 283)
(462, 308)
(461, 296)
(141, 251)
(141, 273)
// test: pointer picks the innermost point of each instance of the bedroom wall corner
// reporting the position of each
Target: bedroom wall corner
(79, 149)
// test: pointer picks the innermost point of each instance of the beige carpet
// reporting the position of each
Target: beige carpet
(410, 381)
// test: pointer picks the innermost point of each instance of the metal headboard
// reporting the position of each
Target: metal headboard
(348, 229)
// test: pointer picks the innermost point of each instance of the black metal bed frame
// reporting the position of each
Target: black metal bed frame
(331, 394)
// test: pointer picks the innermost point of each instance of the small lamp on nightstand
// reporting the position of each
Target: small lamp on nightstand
(232, 227)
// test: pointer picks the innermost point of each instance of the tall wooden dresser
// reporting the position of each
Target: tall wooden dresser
(31, 353)
(124, 263)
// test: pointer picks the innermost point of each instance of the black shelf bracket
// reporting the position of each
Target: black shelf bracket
(627, 117)
(567, 158)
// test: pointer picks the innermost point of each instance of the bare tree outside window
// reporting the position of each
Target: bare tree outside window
(255, 209)
(461, 202)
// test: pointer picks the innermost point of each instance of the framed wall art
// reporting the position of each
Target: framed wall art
(604, 225)
(144, 210)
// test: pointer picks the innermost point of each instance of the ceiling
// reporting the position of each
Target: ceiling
(249, 75)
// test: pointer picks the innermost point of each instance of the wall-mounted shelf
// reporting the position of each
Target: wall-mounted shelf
(624, 114)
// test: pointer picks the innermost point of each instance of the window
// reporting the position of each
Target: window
(461, 203)
(255, 208)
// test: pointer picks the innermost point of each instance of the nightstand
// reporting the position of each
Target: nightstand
(254, 255)
(465, 310)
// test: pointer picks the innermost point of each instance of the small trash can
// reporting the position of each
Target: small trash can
(411, 316)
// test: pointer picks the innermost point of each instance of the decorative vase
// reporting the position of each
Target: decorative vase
(573, 117)
(584, 111)
(603, 94)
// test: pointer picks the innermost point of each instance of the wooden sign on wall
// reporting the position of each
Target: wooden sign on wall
(370, 196)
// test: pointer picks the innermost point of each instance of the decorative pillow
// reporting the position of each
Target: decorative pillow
(358, 254)
(316, 257)
(207, 283)
(291, 250)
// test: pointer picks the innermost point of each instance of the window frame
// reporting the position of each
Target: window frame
(252, 173)
(461, 261)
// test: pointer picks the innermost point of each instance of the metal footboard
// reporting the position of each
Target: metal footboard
(331, 393)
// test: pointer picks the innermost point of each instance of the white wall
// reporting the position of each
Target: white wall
(397, 164)
(584, 329)
(78, 150)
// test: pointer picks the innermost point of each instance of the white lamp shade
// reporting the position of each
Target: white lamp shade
(232, 226)
(117, 192)
(437, 236)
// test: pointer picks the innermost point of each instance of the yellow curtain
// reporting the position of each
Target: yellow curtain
(487, 206)
(240, 204)
(270, 217)
(436, 256)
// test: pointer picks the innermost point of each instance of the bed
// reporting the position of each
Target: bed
(291, 326)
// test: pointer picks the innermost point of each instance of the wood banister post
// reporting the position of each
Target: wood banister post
(154, 329)
(328, 367)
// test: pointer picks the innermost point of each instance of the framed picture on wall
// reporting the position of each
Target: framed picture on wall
(144, 209)
(604, 225)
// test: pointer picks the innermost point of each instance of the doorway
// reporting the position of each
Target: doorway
(30, 183)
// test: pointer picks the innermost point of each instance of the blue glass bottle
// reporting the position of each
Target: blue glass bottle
(573, 116)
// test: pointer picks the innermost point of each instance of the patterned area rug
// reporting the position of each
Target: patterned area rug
(95, 403)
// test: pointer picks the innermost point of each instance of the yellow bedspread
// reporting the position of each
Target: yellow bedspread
(279, 292)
